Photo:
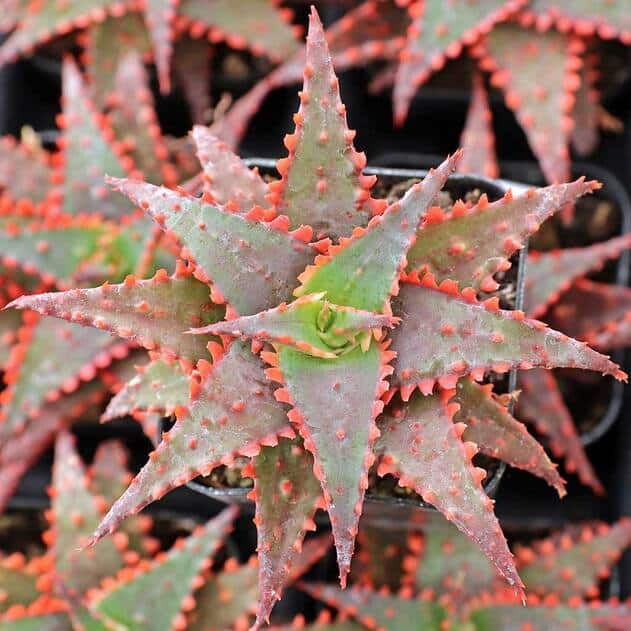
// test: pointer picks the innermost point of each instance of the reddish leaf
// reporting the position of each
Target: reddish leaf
(585, 135)
(443, 336)
(470, 245)
(538, 73)
(173, 304)
(160, 18)
(192, 70)
(499, 435)
(541, 404)
(25, 171)
(424, 450)
(438, 32)
(322, 183)
(287, 494)
(477, 140)
(253, 265)
(549, 274)
(226, 177)
(235, 411)
(572, 563)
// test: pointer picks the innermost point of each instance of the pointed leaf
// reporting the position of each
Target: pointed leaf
(574, 562)
(51, 357)
(286, 492)
(335, 412)
(76, 514)
(613, 336)
(53, 253)
(309, 324)
(261, 28)
(548, 274)
(376, 610)
(588, 309)
(107, 43)
(443, 336)
(500, 435)
(322, 183)
(234, 410)
(153, 599)
(254, 266)
(538, 73)
(424, 450)
(448, 562)
(470, 245)
(24, 172)
(46, 622)
(45, 20)
(87, 155)
(438, 32)
(226, 177)
(160, 17)
(192, 70)
(159, 386)
(134, 121)
(154, 312)
(541, 404)
(353, 275)
(478, 140)
(585, 135)
(606, 19)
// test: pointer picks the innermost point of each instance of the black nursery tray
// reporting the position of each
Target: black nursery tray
(379, 509)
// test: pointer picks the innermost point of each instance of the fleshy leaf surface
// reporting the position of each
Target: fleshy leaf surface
(159, 386)
(439, 31)
(470, 245)
(541, 404)
(335, 414)
(322, 183)
(234, 410)
(549, 274)
(24, 171)
(153, 599)
(160, 17)
(477, 139)
(155, 312)
(424, 450)
(500, 435)
(572, 563)
(52, 357)
(76, 515)
(261, 27)
(309, 324)
(287, 493)
(87, 156)
(538, 73)
(353, 275)
(479, 337)
(382, 611)
(585, 135)
(253, 265)
(45, 622)
(226, 177)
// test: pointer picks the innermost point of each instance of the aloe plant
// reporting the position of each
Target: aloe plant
(123, 582)
(317, 301)
(447, 583)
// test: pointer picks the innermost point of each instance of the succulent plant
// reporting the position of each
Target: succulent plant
(125, 581)
(447, 583)
(157, 29)
(59, 228)
(246, 250)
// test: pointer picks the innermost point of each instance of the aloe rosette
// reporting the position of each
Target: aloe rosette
(317, 306)
(447, 583)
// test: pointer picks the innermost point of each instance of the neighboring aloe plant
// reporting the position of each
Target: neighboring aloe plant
(61, 227)
(445, 583)
(157, 29)
(123, 582)
(243, 263)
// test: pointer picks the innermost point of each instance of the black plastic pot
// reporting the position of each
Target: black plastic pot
(388, 511)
